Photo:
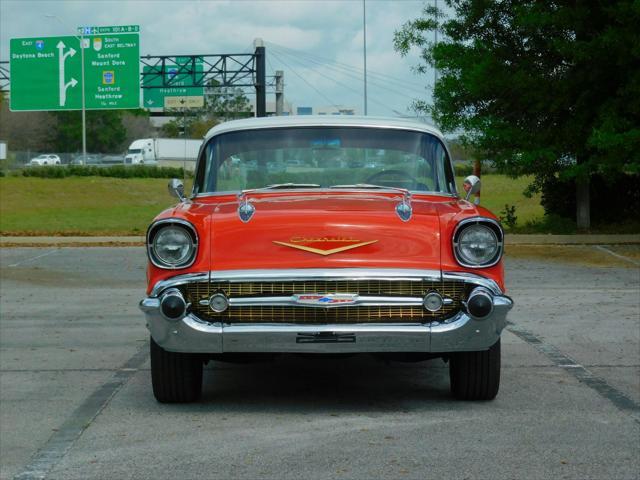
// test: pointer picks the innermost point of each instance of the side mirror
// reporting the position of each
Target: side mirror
(471, 185)
(176, 188)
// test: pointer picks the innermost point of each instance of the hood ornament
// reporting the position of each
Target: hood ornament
(245, 208)
(403, 209)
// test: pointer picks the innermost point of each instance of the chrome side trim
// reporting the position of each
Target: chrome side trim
(149, 239)
(467, 221)
(361, 300)
(150, 305)
(162, 285)
(474, 279)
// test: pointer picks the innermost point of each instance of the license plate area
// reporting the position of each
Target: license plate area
(326, 337)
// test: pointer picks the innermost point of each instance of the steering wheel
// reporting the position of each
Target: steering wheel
(404, 180)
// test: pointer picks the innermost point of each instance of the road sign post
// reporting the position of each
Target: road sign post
(84, 101)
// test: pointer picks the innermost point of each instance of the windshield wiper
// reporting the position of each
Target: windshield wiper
(277, 186)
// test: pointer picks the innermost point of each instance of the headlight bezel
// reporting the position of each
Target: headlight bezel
(489, 223)
(152, 233)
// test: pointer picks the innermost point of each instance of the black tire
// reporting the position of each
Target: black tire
(175, 377)
(475, 375)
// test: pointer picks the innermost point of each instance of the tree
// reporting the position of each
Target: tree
(105, 131)
(137, 125)
(195, 126)
(544, 88)
(221, 104)
(226, 103)
(26, 131)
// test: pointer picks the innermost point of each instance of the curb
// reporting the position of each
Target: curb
(596, 239)
(135, 241)
(128, 241)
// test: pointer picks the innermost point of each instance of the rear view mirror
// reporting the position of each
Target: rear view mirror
(176, 188)
(471, 185)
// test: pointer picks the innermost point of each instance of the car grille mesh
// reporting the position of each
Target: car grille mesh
(195, 292)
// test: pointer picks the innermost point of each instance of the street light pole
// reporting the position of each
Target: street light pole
(435, 41)
(364, 33)
(84, 110)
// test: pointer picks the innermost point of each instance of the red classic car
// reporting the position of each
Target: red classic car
(325, 235)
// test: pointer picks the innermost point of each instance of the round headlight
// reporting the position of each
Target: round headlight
(478, 245)
(173, 246)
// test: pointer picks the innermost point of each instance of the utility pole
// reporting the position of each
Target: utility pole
(279, 92)
(364, 25)
(260, 80)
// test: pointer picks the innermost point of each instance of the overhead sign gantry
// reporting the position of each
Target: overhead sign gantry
(191, 73)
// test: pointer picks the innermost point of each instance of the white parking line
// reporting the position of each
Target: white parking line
(59, 444)
(32, 258)
(621, 257)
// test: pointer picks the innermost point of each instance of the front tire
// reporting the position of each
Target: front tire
(175, 377)
(475, 375)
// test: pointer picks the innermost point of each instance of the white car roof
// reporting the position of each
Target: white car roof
(323, 121)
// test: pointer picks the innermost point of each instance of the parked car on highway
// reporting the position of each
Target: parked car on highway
(45, 159)
(111, 160)
(89, 159)
(317, 260)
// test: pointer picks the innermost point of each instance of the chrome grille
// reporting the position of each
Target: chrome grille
(195, 292)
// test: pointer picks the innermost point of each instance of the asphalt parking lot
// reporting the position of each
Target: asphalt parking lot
(76, 401)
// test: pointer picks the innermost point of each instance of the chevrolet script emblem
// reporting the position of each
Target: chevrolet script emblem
(324, 245)
(326, 300)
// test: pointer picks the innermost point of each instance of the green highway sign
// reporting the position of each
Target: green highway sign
(110, 29)
(178, 85)
(46, 72)
(184, 102)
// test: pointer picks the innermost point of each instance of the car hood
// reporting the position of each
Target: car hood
(324, 231)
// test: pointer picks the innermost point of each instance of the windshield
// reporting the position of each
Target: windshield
(135, 150)
(326, 157)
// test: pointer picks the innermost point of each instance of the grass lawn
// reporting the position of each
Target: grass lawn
(80, 205)
(498, 190)
(114, 206)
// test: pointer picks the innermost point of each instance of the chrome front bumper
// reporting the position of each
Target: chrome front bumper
(460, 333)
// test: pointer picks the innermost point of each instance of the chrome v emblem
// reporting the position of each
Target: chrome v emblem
(320, 251)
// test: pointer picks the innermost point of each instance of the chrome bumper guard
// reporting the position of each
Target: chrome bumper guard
(459, 333)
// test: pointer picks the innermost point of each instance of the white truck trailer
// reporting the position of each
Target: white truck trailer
(163, 152)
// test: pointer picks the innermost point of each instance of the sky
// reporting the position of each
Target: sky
(318, 44)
